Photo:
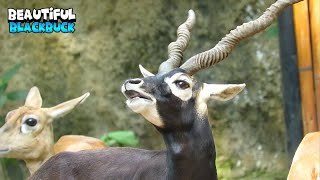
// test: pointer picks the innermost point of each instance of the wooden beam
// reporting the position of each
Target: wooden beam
(314, 13)
(305, 65)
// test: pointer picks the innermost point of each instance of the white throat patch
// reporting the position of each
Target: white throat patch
(151, 114)
(148, 111)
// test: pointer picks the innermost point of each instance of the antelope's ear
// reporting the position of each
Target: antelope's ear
(221, 92)
(33, 98)
(64, 108)
(144, 72)
(10, 114)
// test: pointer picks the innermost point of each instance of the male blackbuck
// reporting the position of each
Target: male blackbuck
(176, 104)
(28, 135)
(306, 161)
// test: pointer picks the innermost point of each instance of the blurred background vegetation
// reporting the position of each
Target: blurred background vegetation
(113, 37)
(10, 168)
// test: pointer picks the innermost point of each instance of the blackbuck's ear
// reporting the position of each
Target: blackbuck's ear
(33, 98)
(222, 92)
(145, 72)
(64, 108)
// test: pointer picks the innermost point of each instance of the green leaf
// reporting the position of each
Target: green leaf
(112, 142)
(122, 138)
(17, 95)
(7, 76)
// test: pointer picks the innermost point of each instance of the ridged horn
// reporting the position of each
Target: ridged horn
(226, 44)
(175, 49)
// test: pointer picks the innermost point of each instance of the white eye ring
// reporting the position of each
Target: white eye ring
(25, 128)
(183, 90)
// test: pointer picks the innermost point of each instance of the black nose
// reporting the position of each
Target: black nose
(134, 81)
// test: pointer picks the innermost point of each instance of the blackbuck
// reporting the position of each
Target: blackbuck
(28, 135)
(306, 161)
(176, 104)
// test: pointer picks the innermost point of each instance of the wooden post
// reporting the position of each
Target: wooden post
(290, 82)
(305, 65)
(314, 12)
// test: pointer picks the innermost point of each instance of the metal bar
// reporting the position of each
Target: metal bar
(290, 80)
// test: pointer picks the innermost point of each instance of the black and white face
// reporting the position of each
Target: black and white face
(174, 99)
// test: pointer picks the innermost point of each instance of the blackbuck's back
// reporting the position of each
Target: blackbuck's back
(111, 163)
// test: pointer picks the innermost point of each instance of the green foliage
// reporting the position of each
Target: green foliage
(120, 138)
(224, 167)
(10, 166)
(265, 175)
(272, 31)
(4, 81)
(12, 169)
(7, 76)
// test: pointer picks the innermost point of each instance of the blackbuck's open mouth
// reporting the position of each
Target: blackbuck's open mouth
(5, 150)
(137, 100)
(131, 94)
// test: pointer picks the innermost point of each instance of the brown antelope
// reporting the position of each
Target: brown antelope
(176, 104)
(306, 161)
(28, 135)
(74, 143)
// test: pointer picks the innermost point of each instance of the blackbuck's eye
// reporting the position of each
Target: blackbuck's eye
(182, 84)
(31, 122)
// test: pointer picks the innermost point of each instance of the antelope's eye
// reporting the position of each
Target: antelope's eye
(31, 122)
(182, 84)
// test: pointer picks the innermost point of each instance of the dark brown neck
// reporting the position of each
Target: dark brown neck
(191, 154)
